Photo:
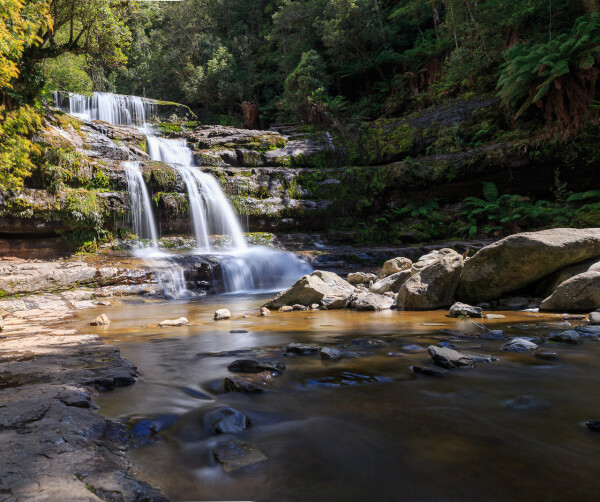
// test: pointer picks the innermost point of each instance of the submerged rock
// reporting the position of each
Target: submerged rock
(222, 314)
(331, 354)
(235, 455)
(462, 309)
(519, 345)
(225, 420)
(588, 330)
(580, 293)
(427, 371)
(526, 403)
(253, 366)
(448, 358)
(433, 283)
(593, 425)
(248, 383)
(302, 348)
(101, 320)
(522, 259)
(547, 356)
(571, 336)
(173, 322)
(413, 348)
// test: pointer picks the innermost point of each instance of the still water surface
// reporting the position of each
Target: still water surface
(365, 428)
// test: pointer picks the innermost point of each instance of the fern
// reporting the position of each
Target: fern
(585, 196)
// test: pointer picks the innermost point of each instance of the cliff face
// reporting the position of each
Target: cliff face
(294, 179)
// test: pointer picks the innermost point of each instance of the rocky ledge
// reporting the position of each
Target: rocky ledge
(556, 269)
(53, 444)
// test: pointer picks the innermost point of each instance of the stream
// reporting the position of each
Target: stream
(365, 427)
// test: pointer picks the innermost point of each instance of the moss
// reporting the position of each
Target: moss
(163, 179)
(384, 141)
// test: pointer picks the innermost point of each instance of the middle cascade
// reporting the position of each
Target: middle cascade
(245, 268)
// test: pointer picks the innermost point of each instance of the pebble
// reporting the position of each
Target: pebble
(519, 345)
(571, 336)
(331, 354)
(222, 314)
(547, 356)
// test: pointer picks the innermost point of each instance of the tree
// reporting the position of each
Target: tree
(19, 30)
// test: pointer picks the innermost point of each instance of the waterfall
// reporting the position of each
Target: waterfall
(245, 269)
(144, 225)
(115, 109)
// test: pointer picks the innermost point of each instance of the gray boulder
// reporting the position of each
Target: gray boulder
(547, 286)
(391, 283)
(523, 259)
(463, 309)
(394, 266)
(361, 278)
(519, 345)
(370, 302)
(448, 358)
(571, 336)
(580, 293)
(324, 288)
(433, 283)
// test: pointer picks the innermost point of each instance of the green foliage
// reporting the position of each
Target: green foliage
(559, 75)
(68, 72)
(16, 148)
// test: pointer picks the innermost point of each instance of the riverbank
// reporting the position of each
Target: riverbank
(54, 445)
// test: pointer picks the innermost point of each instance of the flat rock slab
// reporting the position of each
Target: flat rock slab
(252, 384)
(254, 366)
(235, 455)
(302, 348)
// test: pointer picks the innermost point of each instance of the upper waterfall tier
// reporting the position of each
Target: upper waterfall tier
(119, 109)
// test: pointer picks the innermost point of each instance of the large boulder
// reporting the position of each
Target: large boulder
(361, 278)
(547, 286)
(433, 283)
(580, 293)
(391, 282)
(394, 266)
(370, 302)
(324, 288)
(522, 259)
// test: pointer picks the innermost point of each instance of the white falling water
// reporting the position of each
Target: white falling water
(245, 269)
(112, 108)
(144, 225)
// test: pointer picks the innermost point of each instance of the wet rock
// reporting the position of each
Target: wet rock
(448, 358)
(522, 259)
(101, 320)
(593, 425)
(483, 359)
(361, 278)
(236, 331)
(369, 343)
(394, 266)
(254, 366)
(580, 293)
(433, 283)
(248, 383)
(492, 334)
(519, 345)
(301, 308)
(222, 314)
(547, 356)
(413, 348)
(395, 354)
(331, 354)
(302, 348)
(235, 455)
(315, 288)
(526, 403)
(594, 317)
(571, 336)
(462, 309)
(314, 306)
(169, 323)
(286, 308)
(225, 420)
(588, 330)
(264, 311)
(494, 316)
(370, 302)
(427, 371)
(391, 283)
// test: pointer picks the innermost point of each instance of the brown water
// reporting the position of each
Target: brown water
(364, 428)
